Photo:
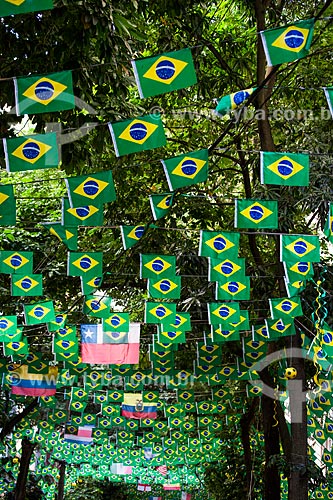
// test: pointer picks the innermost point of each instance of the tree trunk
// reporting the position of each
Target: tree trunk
(9, 426)
(298, 482)
(245, 423)
(61, 482)
(21, 483)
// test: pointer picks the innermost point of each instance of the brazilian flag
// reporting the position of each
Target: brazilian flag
(13, 7)
(119, 322)
(186, 169)
(223, 313)
(219, 245)
(296, 247)
(231, 102)
(157, 265)
(41, 312)
(164, 287)
(15, 262)
(87, 215)
(130, 235)
(90, 285)
(24, 285)
(7, 206)
(284, 169)
(256, 214)
(85, 264)
(97, 306)
(44, 94)
(233, 290)
(67, 235)
(8, 326)
(288, 43)
(164, 73)
(139, 134)
(224, 270)
(94, 189)
(159, 312)
(285, 308)
(160, 204)
(32, 152)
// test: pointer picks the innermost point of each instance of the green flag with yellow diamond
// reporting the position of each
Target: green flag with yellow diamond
(86, 215)
(285, 308)
(159, 312)
(139, 134)
(15, 262)
(231, 102)
(160, 204)
(32, 152)
(222, 270)
(116, 322)
(87, 264)
(24, 285)
(67, 235)
(8, 325)
(284, 169)
(157, 265)
(44, 94)
(164, 287)
(288, 43)
(92, 189)
(130, 235)
(164, 72)
(7, 206)
(297, 247)
(90, 285)
(256, 214)
(219, 245)
(16, 348)
(13, 7)
(233, 290)
(97, 306)
(223, 313)
(187, 169)
(41, 312)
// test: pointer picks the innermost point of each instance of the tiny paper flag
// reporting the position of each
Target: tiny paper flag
(97, 306)
(32, 152)
(294, 247)
(164, 287)
(223, 313)
(256, 214)
(160, 204)
(164, 73)
(284, 169)
(87, 215)
(187, 169)
(42, 312)
(12, 7)
(139, 134)
(15, 262)
(287, 43)
(222, 270)
(157, 265)
(16, 348)
(8, 325)
(285, 308)
(23, 285)
(159, 312)
(67, 235)
(219, 245)
(85, 264)
(233, 290)
(7, 206)
(116, 322)
(130, 235)
(90, 285)
(94, 189)
(233, 101)
(44, 94)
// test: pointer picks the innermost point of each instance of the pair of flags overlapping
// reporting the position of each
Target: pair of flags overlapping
(19, 265)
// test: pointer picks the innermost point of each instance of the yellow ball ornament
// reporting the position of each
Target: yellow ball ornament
(290, 373)
(15, 460)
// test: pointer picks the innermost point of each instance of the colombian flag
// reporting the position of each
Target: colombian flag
(34, 384)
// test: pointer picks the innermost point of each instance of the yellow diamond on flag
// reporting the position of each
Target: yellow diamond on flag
(15, 2)
(91, 187)
(300, 247)
(85, 263)
(138, 131)
(189, 167)
(219, 243)
(39, 312)
(3, 198)
(285, 167)
(224, 312)
(256, 212)
(165, 70)
(157, 265)
(31, 151)
(44, 91)
(286, 306)
(16, 261)
(292, 39)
